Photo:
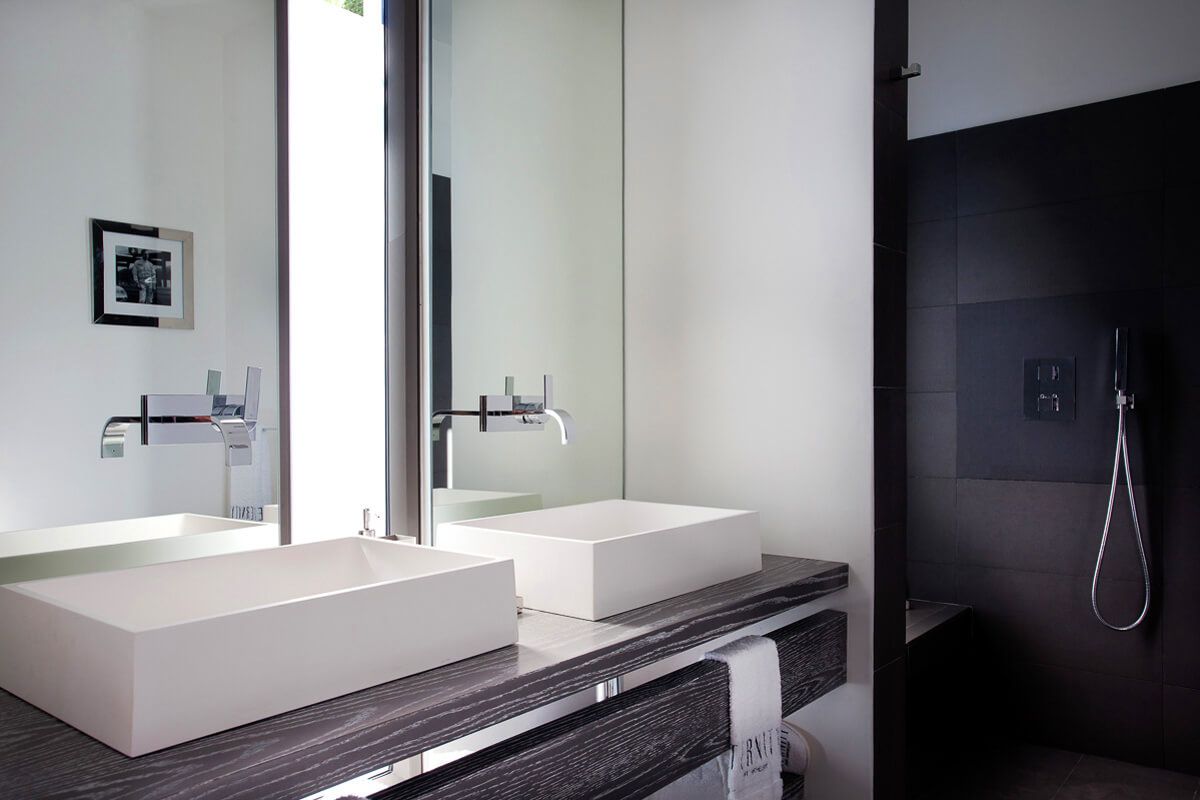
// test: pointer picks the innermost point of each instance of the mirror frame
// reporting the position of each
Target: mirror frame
(406, 104)
(282, 230)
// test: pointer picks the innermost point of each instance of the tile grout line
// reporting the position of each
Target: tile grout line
(1074, 767)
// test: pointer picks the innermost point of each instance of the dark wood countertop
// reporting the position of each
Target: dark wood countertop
(313, 748)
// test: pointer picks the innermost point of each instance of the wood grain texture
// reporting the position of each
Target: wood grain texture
(638, 742)
(793, 787)
(310, 749)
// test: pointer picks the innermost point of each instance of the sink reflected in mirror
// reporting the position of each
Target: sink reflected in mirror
(452, 505)
(73, 549)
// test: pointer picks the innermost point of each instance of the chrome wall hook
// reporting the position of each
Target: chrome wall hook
(904, 72)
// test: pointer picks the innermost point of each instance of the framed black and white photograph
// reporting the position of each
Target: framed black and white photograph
(141, 275)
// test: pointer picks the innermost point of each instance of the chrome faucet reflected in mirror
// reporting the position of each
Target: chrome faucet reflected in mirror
(514, 412)
(231, 419)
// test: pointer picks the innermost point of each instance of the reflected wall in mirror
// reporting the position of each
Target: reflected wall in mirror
(150, 112)
(525, 269)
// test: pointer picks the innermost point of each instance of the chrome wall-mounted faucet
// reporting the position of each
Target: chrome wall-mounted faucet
(194, 419)
(523, 412)
(514, 412)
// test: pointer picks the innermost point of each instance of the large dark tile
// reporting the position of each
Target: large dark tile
(1182, 134)
(1181, 336)
(1181, 729)
(1052, 527)
(1104, 779)
(1084, 711)
(1047, 619)
(1180, 602)
(891, 182)
(1098, 149)
(889, 728)
(1181, 209)
(999, 771)
(1182, 439)
(931, 178)
(931, 434)
(891, 51)
(890, 579)
(932, 263)
(890, 447)
(931, 527)
(931, 353)
(1090, 245)
(890, 302)
(930, 581)
(996, 441)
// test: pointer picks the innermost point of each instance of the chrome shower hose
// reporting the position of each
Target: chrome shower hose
(1121, 458)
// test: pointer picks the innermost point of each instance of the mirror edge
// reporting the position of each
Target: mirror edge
(282, 260)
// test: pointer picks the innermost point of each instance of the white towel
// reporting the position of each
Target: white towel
(755, 711)
(252, 486)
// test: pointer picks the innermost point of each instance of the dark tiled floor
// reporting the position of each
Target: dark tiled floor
(1017, 771)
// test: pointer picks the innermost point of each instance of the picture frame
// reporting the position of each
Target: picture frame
(141, 275)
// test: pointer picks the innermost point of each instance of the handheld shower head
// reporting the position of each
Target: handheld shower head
(1121, 370)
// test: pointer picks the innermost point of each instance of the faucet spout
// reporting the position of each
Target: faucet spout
(235, 434)
(112, 440)
(566, 423)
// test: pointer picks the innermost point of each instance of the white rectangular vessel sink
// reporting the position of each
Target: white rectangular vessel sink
(150, 657)
(598, 559)
(452, 505)
(51, 552)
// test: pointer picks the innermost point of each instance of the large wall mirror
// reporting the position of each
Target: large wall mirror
(524, 265)
(138, 224)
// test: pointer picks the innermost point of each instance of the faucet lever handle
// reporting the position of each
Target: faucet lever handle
(213, 385)
(548, 391)
(510, 385)
(253, 393)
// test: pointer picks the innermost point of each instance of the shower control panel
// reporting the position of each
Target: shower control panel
(1050, 389)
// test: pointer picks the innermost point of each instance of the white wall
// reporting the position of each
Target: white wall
(986, 62)
(748, 294)
(337, 252)
(535, 129)
(118, 110)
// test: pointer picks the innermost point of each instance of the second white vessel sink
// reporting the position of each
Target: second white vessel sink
(29, 555)
(598, 559)
(150, 657)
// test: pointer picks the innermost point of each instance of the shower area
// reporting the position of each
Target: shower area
(1053, 312)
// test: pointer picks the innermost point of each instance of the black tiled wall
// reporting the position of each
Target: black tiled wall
(891, 134)
(1036, 238)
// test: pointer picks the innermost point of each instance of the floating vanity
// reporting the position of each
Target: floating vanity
(594, 560)
(34, 554)
(304, 751)
(150, 657)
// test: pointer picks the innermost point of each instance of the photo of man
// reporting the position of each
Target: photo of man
(143, 276)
